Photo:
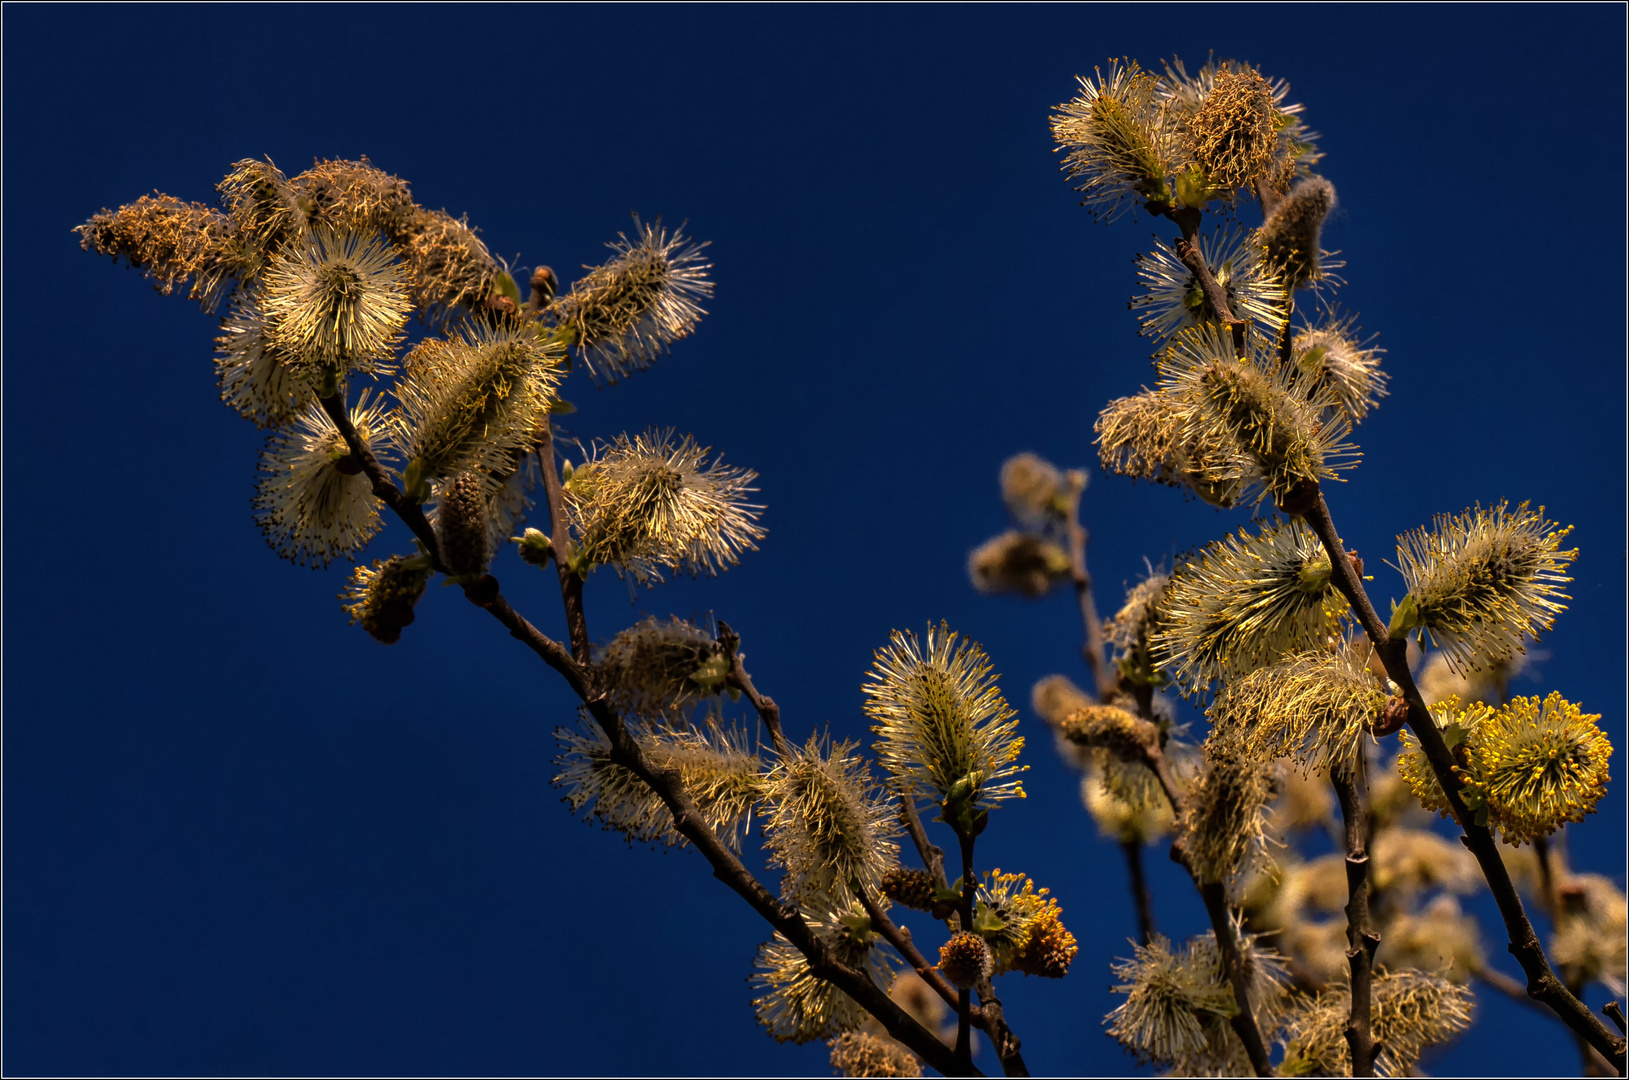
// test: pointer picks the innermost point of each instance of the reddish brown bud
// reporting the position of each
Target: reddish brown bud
(1300, 498)
(544, 286)
(1392, 718)
(483, 591)
(1357, 563)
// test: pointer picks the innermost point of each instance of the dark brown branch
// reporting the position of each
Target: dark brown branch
(933, 856)
(768, 711)
(1542, 982)
(1139, 889)
(1615, 1011)
(1361, 939)
(1187, 249)
(964, 998)
(384, 489)
(571, 585)
(1214, 894)
(626, 752)
(1512, 988)
(992, 1021)
(900, 939)
(1092, 648)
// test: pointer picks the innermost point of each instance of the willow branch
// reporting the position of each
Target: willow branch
(767, 710)
(964, 998)
(571, 585)
(1214, 894)
(384, 488)
(933, 856)
(1187, 249)
(992, 1020)
(1092, 648)
(1139, 889)
(1361, 939)
(1542, 982)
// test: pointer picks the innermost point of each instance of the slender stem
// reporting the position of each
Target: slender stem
(1361, 939)
(1139, 889)
(384, 489)
(1615, 1012)
(964, 998)
(1092, 648)
(1214, 894)
(768, 711)
(933, 856)
(571, 585)
(900, 938)
(1547, 900)
(1187, 249)
(1542, 983)
(993, 1021)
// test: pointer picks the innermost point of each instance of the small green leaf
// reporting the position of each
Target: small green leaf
(507, 286)
(561, 407)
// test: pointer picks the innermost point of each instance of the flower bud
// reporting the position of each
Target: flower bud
(461, 526)
(965, 959)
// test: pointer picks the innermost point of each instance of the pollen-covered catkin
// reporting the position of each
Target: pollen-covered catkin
(658, 667)
(173, 241)
(1233, 137)
(965, 959)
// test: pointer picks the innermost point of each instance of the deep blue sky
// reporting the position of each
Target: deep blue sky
(241, 837)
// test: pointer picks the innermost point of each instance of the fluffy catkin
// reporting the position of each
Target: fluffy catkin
(1290, 235)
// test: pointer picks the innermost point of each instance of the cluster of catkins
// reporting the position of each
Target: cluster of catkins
(944, 732)
(319, 274)
(1255, 629)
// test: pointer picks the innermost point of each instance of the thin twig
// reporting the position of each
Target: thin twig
(767, 710)
(1187, 249)
(571, 585)
(384, 488)
(1547, 876)
(933, 856)
(1092, 648)
(1361, 938)
(1214, 894)
(1139, 889)
(1542, 982)
(964, 998)
(994, 1024)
